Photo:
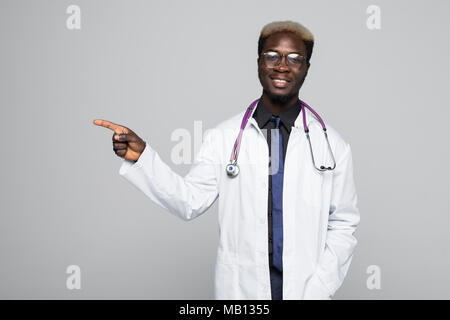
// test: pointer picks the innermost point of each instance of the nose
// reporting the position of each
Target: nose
(282, 66)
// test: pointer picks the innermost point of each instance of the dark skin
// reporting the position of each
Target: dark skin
(128, 145)
(278, 99)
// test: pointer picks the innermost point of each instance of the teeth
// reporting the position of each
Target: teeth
(281, 81)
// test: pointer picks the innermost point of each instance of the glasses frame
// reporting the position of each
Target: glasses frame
(282, 55)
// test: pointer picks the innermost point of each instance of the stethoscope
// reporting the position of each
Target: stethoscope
(233, 169)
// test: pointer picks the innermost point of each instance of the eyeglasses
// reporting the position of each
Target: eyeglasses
(272, 59)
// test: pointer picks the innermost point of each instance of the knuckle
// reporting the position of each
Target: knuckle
(119, 145)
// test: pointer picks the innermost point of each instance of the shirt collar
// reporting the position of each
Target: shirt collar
(262, 115)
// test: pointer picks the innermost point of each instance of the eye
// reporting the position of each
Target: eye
(271, 56)
(295, 58)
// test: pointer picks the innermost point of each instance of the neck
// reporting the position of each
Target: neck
(277, 105)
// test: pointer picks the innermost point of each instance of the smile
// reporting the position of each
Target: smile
(279, 83)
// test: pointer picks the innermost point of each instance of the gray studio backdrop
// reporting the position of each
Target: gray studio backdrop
(159, 66)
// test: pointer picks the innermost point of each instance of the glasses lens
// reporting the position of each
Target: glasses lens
(272, 59)
(294, 59)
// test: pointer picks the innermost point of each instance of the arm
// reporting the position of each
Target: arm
(186, 197)
(340, 242)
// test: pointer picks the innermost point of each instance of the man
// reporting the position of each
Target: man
(286, 232)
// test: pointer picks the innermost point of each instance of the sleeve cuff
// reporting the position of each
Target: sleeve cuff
(129, 164)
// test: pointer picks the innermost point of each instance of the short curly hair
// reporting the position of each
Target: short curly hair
(287, 26)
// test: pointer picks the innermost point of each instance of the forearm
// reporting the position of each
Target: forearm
(186, 197)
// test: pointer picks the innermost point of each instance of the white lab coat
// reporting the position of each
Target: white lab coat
(320, 213)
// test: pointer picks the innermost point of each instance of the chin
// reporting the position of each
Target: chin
(280, 98)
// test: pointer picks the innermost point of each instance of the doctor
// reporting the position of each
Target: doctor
(286, 228)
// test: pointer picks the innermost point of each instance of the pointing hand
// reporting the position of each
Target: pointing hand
(126, 143)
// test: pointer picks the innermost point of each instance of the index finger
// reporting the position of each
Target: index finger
(110, 125)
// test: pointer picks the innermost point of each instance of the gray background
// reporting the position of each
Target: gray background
(156, 66)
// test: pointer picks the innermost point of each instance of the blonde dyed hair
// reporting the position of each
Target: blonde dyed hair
(287, 26)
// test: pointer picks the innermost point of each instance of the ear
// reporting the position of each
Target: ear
(307, 69)
(258, 63)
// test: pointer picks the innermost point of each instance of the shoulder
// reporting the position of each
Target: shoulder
(334, 135)
(338, 142)
(227, 126)
(231, 122)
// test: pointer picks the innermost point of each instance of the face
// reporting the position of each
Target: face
(283, 43)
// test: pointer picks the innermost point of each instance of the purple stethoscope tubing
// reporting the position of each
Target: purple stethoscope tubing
(233, 169)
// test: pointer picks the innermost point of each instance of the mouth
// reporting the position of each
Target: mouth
(279, 83)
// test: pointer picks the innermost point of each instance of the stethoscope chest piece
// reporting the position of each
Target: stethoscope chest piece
(232, 170)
